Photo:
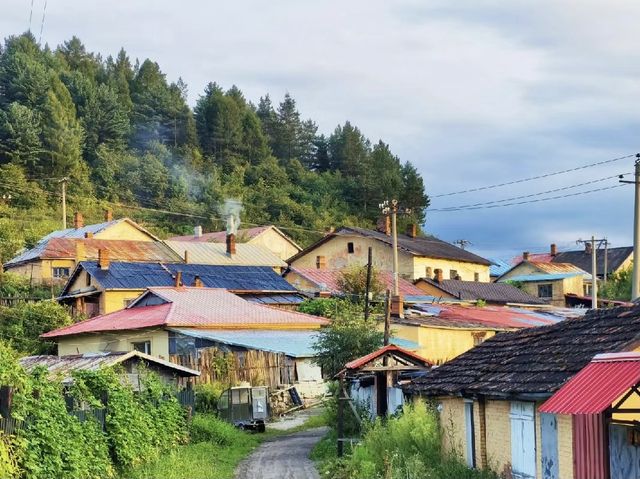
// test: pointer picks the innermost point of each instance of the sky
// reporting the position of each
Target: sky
(474, 93)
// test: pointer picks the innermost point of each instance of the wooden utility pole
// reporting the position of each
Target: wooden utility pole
(595, 244)
(63, 181)
(368, 286)
(340, 418)
(387, 318)
(635, 278)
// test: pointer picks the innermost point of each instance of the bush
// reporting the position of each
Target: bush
(8, 463)
(207, 396)
(208, 428)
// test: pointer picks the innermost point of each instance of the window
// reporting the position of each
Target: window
(321, 262)
(428, 272)
(453, 274)
(476, 276)
(478, 337)
(350, 247)
(128, 301)
(143, 347)
(587, 288)
(545, 290)
(60, 272)
(87, 279)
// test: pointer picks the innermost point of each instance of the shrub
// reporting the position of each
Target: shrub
(207, 396)
(208, 428)
(8, 463)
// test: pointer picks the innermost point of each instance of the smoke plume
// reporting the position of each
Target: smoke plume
(230, 211)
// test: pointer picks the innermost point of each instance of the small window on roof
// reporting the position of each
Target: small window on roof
(453, 274)
(476, 276)
(350, 247)
(428, 272)
(545, 290)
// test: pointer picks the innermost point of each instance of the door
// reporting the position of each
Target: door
(469, 436)
(549, 445)
(624, 455)
(523, 440)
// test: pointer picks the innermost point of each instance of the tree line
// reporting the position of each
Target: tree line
(123, 134)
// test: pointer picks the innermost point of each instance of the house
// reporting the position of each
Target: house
(548, 281)
(227, 254)
(417, 256)
(63, 366)
(443, 331)
(269, 237)
(498, 268)
(325, 282)
(56, 254)
(491, 293)
(613, 260)
(490, 397)
(106, 286)
(165, 320)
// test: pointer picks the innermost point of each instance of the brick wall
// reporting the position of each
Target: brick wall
(565, 446)
(453, 427)
(498, 427)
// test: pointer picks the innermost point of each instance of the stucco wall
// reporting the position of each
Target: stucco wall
(114, 299)
(123, 231)
(41, 270)
(466, 271)
(275, 243)
(301, 283)
(121, 341)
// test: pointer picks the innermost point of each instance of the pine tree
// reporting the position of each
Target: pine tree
(20, 137)
(268, 119)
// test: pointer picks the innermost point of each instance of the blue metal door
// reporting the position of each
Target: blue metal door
(624, 456)
(549, 446)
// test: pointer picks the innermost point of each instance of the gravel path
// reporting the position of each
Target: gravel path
(284, 457)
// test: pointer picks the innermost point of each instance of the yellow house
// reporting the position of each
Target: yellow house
(55, 255)
(443, 331)
(548, 281)
(269, 237)
(490, 397)
(417, 256)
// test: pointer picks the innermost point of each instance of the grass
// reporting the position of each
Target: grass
(215, 450)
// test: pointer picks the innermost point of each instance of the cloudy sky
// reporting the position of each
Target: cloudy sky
(474, 93)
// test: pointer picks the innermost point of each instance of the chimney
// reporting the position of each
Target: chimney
(384, 225)
(186, 256)
(78, 220)
(321, 262)
(439, 276)
(197, 231)
(108, 215)
(178, 282)
(587, 247)
(103, 259)
(324, 294)
(553, 249)
(231, 244)
(412, 230)
(525, 256)
(197, 282)
(88, 235)
(81, 252)
(397, 306)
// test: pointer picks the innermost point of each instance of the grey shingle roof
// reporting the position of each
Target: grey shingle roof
(615, 258)
(492, 292)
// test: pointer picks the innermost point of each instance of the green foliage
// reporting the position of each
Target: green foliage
(208, 428)
(22, 325)
(353, 282)
(8, 464)
(325, 307)
(404, 447)
(618, 286)
(207, 396)
(348, 337)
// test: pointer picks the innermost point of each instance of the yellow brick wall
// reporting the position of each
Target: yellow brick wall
(118, 341)
(498, 435)
(565, 446)
(452, 424)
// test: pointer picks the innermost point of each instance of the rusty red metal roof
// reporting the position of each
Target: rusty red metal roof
(327, 280)
(597, 386)
(391, 348)
(196, 308)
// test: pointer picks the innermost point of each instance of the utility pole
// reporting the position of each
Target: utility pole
(387, 319)
(606, 261)
(635, 280)
(595, 244)
(63, 181)
(463, 243)
(392, 208)
(368, 285)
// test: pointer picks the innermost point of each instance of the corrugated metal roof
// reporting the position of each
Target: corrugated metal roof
(547, 267)
(216, 254)
(499, 267)
(542, 277)
(122, 275)
(537, 257)
(327, 280)
(65, 365)
(597, 386)
(243, 235)
(272, 299)
(389, 349)
(193, 307)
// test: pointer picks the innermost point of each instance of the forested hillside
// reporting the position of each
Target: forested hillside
(126, 137)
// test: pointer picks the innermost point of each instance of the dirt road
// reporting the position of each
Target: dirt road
(285, 457)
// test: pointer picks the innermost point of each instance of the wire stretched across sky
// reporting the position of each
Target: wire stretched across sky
(531, 178)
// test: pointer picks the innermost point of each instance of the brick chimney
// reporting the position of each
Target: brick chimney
(397, 306)
(321, 262)
(103, 259)
(439, 277)
(178, 279)
(384, 225)
(78, 220)
(525, 256)
(186, 256)
(81, 252)
(197, 282)
(553, 250)
(197, 231)
(108, 215)
(412, 230)
(231, 244)
(88, 235)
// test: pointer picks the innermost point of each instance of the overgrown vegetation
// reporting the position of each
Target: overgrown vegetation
(352, 281)
(404, 447)
(126, 137)
(55, 443)
(618, 286)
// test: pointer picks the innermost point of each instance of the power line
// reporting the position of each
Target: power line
(528, 201)
(523, 180)
(532, 194)
(44, 13)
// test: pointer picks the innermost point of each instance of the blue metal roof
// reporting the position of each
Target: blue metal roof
(297, 344)
(524, 278)
(499, 267)
(122, 275)
(79, 232)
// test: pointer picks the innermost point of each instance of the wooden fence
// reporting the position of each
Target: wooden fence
(259, 368)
